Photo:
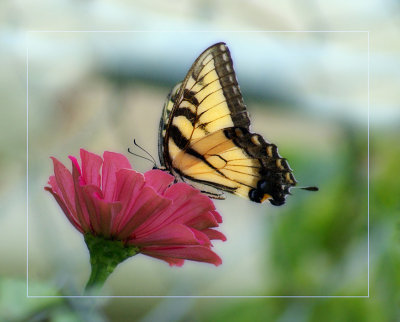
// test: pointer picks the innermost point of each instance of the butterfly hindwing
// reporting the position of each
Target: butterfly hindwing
(205, 138)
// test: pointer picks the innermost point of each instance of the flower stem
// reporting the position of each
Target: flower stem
(105, 255)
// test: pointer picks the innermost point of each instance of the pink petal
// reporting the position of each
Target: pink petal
(75, 164)
(187, 204)
(159, 180)
(127, 190)
(201, 237)
(147, 204)
(129, 184)
(54, 186)
(205, 220)
(64, 208)
(91, 164)
(82, 213)
(65, 185)
(195, 253)
(112, 163)
(92, 209)
(172, 235)
(104, 211)
(217, 216)
(214, 234)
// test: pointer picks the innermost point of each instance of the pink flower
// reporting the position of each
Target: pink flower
(172, 222)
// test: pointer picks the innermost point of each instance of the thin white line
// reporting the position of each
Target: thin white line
(199, 296)
(27, 166)
(368, 161)
(197, 31)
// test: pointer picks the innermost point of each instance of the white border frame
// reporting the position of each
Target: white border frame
(191, 296)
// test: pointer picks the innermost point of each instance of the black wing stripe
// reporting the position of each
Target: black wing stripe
(183, 144)
(186, 112)
(216, 185)
(212, 184)
(190, 97)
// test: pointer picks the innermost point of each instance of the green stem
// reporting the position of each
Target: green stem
(105, 255)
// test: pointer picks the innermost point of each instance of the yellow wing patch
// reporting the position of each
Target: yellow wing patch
(235, 169)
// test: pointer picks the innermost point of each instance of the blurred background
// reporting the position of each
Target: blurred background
(305, 92)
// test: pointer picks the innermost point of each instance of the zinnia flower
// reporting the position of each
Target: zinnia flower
(116, 207)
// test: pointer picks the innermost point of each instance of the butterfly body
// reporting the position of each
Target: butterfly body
(205, 139)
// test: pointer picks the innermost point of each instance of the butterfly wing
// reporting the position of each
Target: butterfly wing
(205, 138)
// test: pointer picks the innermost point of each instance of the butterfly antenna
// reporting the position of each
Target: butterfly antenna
(152, 159)
(140, 156)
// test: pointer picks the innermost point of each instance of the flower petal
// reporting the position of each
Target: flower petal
(64, 208)
(65, 184)
(129, 184)
(112, 163)
(188, 203)
(174, 234)
(127, 190)
(159, 180)
(195, 253)
(82, 213)
(214, 234)
(217, 216)
(91, 164)
(205, 220)
(147, 204)
(91, 207)
(104, 211)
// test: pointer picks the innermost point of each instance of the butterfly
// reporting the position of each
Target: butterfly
(205, 138)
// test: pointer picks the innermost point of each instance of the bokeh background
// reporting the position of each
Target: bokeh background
(306, 92)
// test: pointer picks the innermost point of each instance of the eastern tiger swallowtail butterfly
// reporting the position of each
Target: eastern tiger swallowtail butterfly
(205, 140)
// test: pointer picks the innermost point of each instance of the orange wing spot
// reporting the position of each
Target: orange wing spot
(265, 197)
(238, 132)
